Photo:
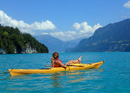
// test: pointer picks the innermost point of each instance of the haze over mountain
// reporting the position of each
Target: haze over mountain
(55, 44)
(113, 37)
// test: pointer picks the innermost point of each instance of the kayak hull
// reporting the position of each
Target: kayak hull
(56, 69)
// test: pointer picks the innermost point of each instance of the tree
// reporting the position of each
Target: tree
(11, 39)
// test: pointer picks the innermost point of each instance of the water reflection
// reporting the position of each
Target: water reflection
(74, 76)
(54, 81)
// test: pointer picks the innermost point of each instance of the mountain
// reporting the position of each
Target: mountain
(55, 44)
(12, 41)
(111, 38)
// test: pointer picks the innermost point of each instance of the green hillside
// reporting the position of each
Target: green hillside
(13, 41)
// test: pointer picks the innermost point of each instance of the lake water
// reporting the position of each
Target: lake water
(112, 77)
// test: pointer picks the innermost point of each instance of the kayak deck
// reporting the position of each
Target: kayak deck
(56, 69)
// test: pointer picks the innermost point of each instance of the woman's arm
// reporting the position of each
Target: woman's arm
(52, 62)
(59, 63)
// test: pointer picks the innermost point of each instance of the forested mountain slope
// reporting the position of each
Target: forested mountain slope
(113, 37)
(13, 41)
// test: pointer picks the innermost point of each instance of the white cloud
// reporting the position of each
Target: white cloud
(126, 16)
(56, 34)
(84, 27)
(47, 25)
(65, 36)
(127, 4)
(44, 33)
(25, 27)
(81, 30)
(77, 26)
(97, 26)
(86, 30)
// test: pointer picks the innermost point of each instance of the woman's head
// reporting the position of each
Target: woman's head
(55, 55)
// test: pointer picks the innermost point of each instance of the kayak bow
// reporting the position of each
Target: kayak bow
(56, 69)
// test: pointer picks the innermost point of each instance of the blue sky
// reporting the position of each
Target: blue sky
(64, 19)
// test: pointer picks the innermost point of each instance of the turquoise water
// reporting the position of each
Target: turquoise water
(113, 76)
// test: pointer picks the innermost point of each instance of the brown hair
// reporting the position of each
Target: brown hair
(55, 55)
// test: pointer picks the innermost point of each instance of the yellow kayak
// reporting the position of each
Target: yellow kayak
(56, 69)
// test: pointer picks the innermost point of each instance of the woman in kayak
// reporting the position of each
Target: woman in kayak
(55, 62)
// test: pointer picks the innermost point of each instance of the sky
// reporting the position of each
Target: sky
(63, 19)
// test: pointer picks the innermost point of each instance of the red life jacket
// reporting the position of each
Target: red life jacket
(55, 65)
